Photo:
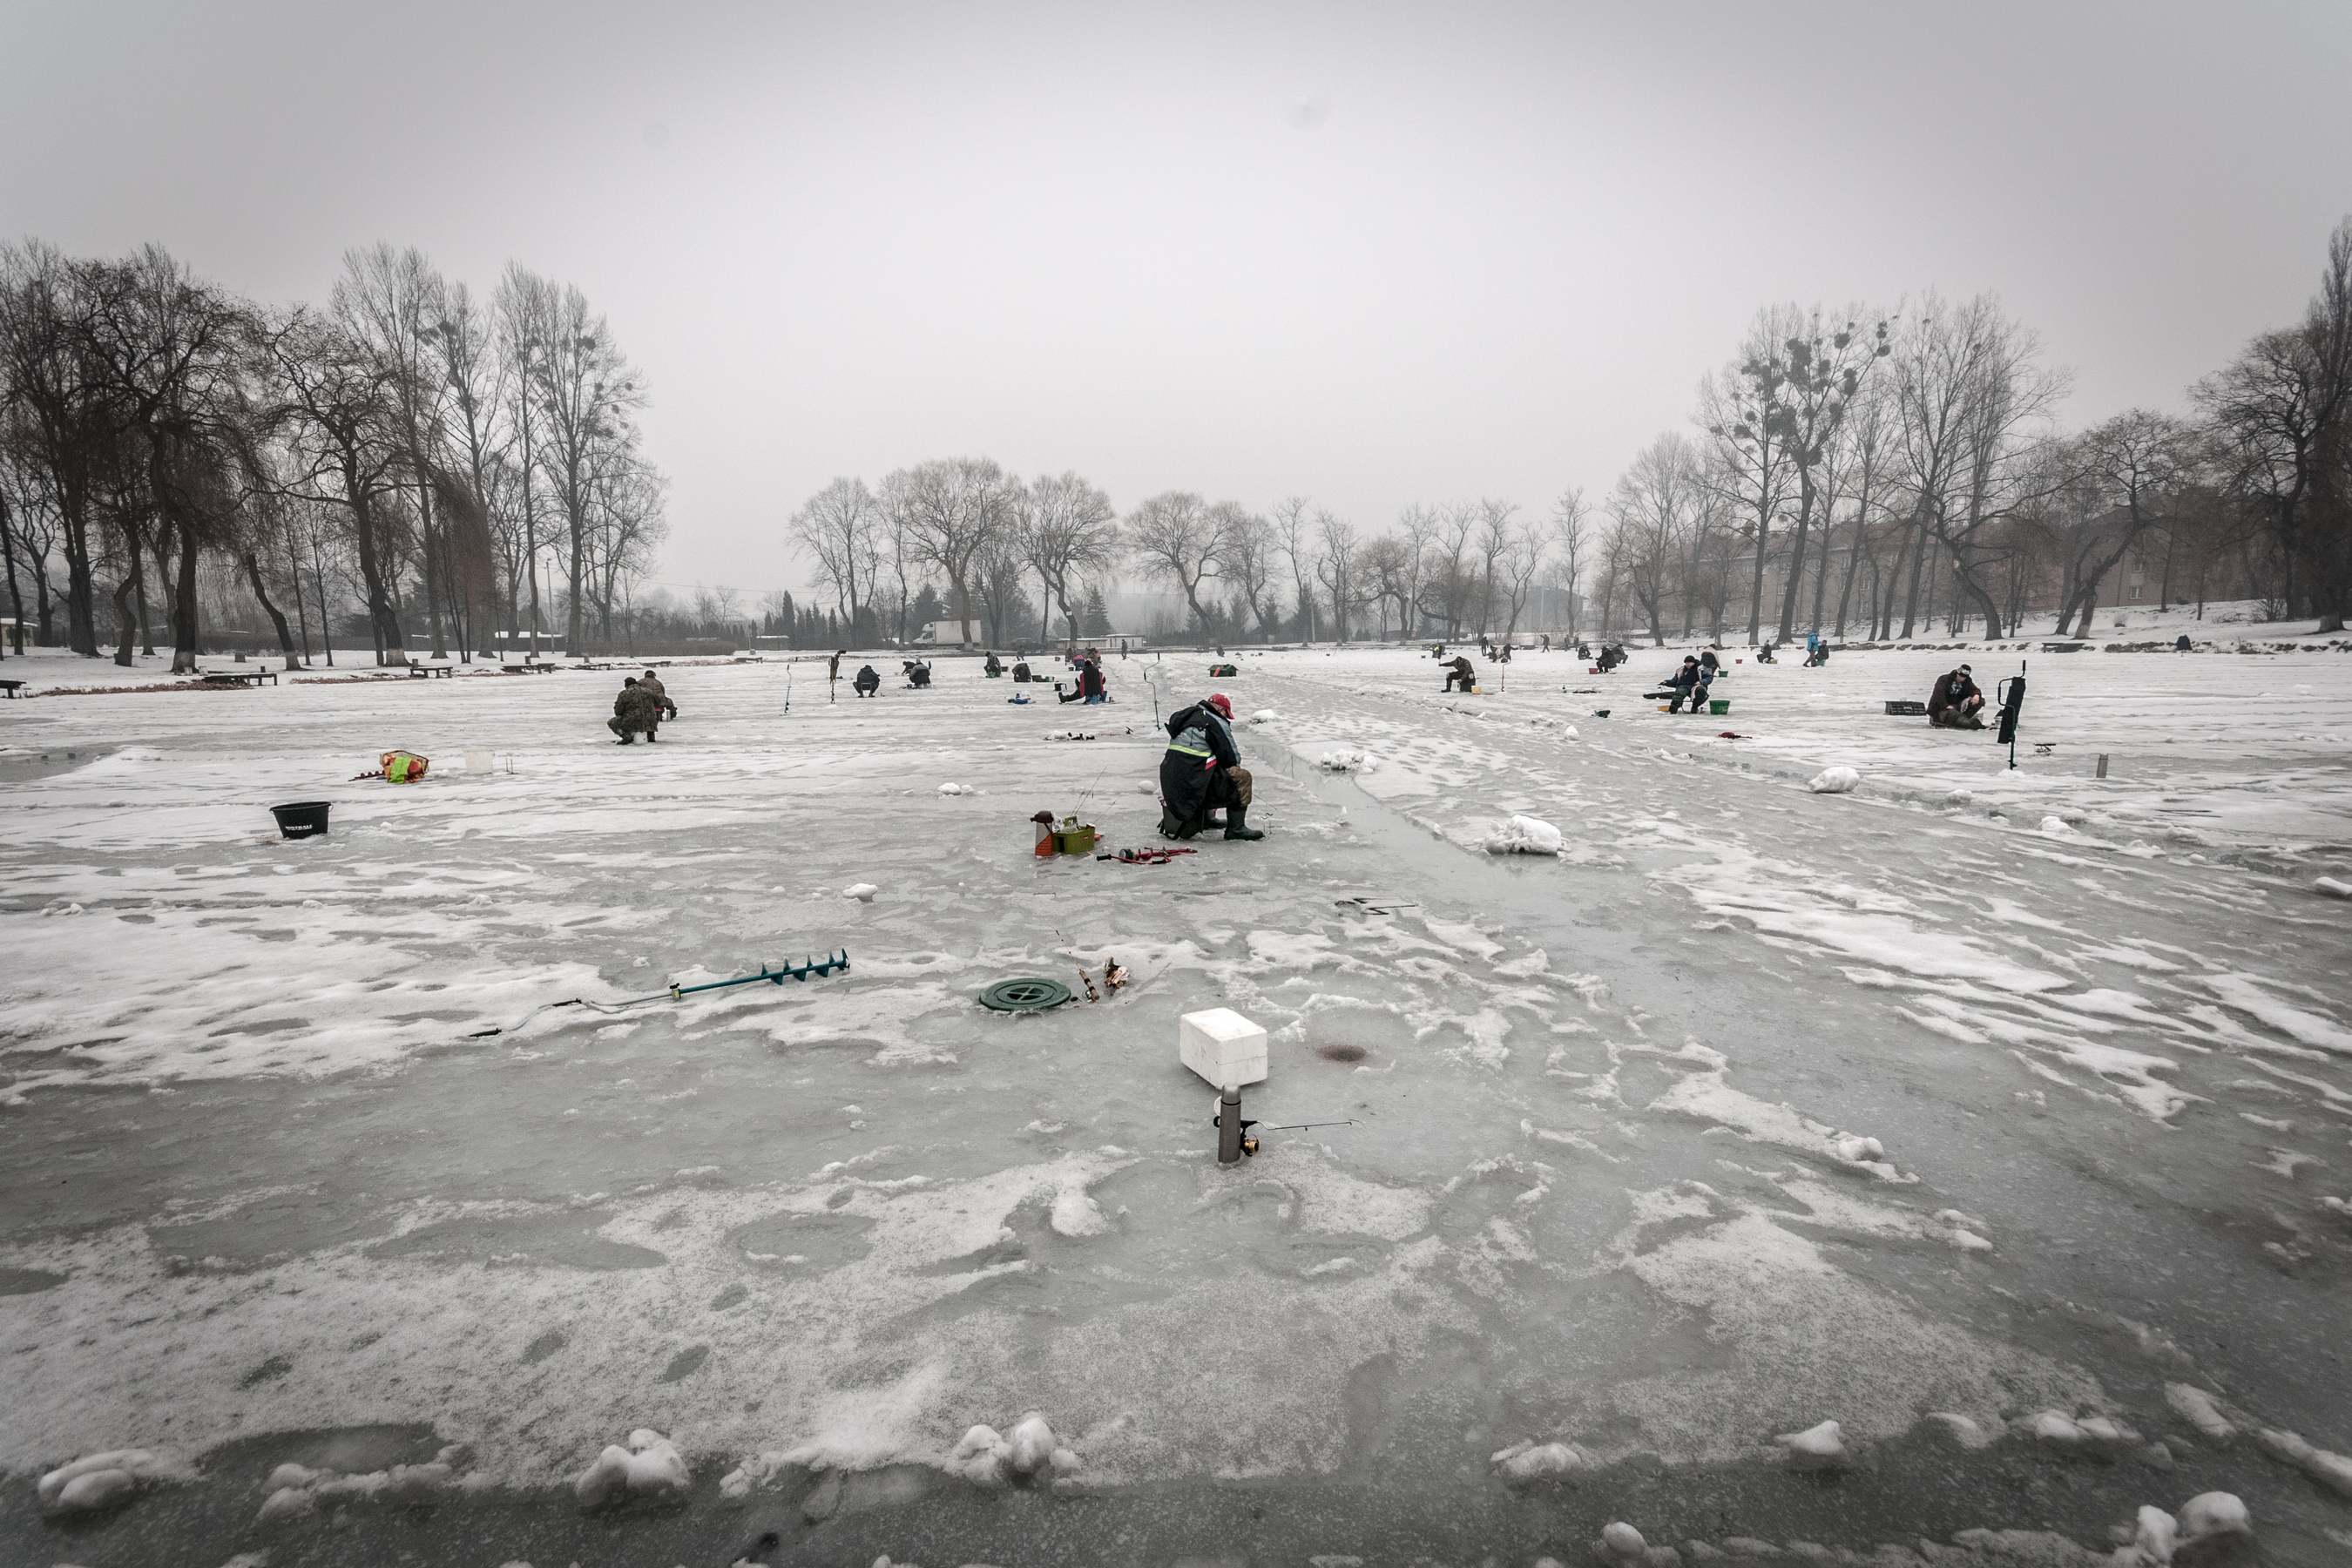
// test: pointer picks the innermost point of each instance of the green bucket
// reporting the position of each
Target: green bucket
(1719, 706)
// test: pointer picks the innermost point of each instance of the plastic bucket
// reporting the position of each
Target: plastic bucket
(1074, 838)
(1719, 706)
(302, 819)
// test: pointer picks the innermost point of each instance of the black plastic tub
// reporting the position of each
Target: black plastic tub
(303, 818)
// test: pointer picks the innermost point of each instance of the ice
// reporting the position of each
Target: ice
(2334, 887)
(862, 891)
(1525, 836)
(1838, 780)
(1030, 1452)
(2154, 1535)
(1264, 716)
(1630, 1174)
(957, 789)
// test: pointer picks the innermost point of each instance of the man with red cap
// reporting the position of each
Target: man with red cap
(1202, 771)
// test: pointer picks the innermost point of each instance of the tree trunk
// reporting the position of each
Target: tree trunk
(126, 628)
(285, 636)
(1796, 580)
(16, 594)
(81, 607)
(1919, 566)
(183, 606)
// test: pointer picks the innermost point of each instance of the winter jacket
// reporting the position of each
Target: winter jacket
(1200, 742)
(1951, 691)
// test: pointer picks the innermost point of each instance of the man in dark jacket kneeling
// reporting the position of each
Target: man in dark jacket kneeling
(1200, 771)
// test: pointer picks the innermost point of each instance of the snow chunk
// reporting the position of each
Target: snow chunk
(1839, 780)
(1820, 1447)
(2153, 1536)
(2333, 1471)
(650, 1465)
(1853, 1150)
(1029, 1452)
(2091, 1434)
(957, 789)
(1622, 1543)
(1961, 1429)
(100, 1481)
(2333, 886)
(2055, 827)
(2197, 1408)
(2209, 1514)
(862, 891)
(1264, 716)
(1525, 836)
(1525, 1463)
(1345, 763)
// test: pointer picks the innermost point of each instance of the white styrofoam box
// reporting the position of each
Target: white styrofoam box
(1222, 1046)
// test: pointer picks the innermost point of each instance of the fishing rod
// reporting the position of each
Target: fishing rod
(1302, 1126)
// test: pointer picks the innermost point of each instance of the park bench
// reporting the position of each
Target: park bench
(2064, 647)
(528, 666)
(253, 677)
(428, 671)
(12, 687)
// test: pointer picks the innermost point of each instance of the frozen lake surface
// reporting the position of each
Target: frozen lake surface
(1963, 1110)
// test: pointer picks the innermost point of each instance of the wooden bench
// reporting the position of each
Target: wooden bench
(2064, 647)
(429, 671)
(12, 687)
(237, 676)
(529, 666)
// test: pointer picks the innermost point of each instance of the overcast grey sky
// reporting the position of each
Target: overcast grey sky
(1377, 254)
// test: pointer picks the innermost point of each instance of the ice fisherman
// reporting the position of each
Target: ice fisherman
(1459, 673)
(868, 682)
(1612, 655)
(1091, 688)
(651, 682)
(634, 712)
(1708, 663)
(1689, 684)
(1200, 771)
(1956, 702)
(993, 667)
(919, 673)
(1022, 675)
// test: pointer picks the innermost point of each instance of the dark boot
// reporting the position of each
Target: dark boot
(1237, 824)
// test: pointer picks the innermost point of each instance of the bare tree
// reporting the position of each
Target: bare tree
(952, 511)
(1181, 539)
(1066, 531)
(1249, 565)
(585, 393)
(837, 526)
(1495, 534)
(1524, 555)
(1792, 395)
(1294, 529)
(2128, 468)
(1335, 569)
(2283, 409)
(1571, 528)
(1751, 454)
(391, 304)
(1653, 504)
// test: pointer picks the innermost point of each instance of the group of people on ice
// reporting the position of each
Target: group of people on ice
(643, 702)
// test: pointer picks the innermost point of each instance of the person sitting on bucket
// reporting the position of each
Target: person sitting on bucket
(1956, 702)
(1689, 684)
(652, 683)
(993, 667)
(1022, 675)
(1200, 771)
(634, 712)
(868, 682)
(1459, 673)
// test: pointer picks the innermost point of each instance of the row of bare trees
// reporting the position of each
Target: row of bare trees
(1298, 571)
(1870, 468)
(405, 451)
